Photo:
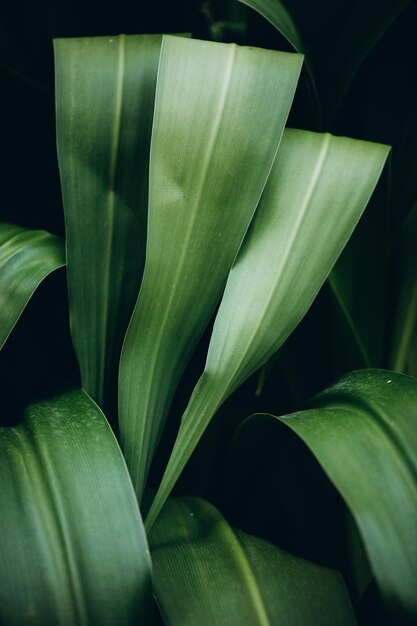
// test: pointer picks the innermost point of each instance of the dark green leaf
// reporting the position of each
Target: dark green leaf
(72, 547)
(105, 89)
(363, 431)
(207, 573)
(220, 111)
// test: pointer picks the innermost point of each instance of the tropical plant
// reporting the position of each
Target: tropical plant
(198, 233)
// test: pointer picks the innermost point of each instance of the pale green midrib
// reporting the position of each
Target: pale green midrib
(234, 377)
(234, 547)
(248, 577)
(107, 253)
(144, 425)
(35, 461)
(408, 325)
(350, 322)
(189, 429)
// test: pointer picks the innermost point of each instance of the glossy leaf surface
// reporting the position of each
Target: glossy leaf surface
(26, 258)
(72, 546)
(207, 573)
(317, 190)
(349, 30)
(363, 431)
(220, 111)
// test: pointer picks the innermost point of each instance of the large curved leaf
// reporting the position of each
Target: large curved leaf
(220, 111)
(363, 431)
(26, 258)
(72, 546)
(316, 192)
(105, 89)
(207, 573)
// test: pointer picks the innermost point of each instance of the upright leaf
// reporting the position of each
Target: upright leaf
(363, 431)
(207, 573)
(105, 89)
(26, 258)
(219, 114)
(316, 192)
(72, 546)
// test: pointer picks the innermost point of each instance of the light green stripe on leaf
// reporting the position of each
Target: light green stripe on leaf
(363, 431)
(219, 115)
(316, 192)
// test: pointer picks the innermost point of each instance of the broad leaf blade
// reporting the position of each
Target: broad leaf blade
(72, 546)
(207, 573)
(26, 258)
(363, 433)
(105, 88)
(316, 192)
(219, 115)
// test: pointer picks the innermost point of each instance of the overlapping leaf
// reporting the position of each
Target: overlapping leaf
(316, 192)
(26, 258)
(105, 89)
(207, 573)
(219, 115)
(72, 546)
(363, 432)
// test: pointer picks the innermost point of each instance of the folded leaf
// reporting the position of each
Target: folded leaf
(26, 258)
(219, 115)
(316, 192)
(105, 89)
(207, 573)
(363, 431)
(72, 546)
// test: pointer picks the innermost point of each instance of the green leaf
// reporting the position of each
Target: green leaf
(207, 573)
(26, 258)
(72, 545)
(220, 111)
(317, 190)
(105, 89)
(358, 282)
(363, 432)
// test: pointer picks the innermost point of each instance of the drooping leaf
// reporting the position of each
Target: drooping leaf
(363, 432)
(207, 573)
(316, 192)
(105, 89)
(219, 114)
(278, 15)
(72, 546)
(26, 258)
